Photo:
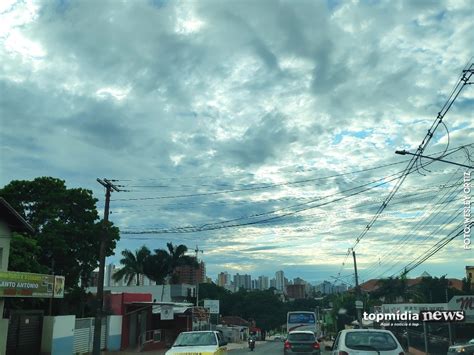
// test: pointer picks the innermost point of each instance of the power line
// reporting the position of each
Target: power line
(461, 83)
(429, 216)
(268, 186)
(218, 225)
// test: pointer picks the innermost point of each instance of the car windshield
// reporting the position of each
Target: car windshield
(301, 337)
(370, 341)
(196, 339)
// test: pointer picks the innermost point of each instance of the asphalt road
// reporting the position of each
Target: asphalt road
(268, 348)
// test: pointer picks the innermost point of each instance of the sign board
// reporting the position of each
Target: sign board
(167, 312)
(463, 303)
(359, 305)
(59, 286)
(413, 307)
(22, 284)
(212, 305)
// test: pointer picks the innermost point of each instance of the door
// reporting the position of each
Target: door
(24, 333)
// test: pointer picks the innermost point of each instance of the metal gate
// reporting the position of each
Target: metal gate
(84, 335)
(24, 333)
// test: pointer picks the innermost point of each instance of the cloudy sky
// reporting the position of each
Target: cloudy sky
(262, 131)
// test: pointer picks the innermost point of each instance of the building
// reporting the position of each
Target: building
(273, 283)
(189, 274)
(223, 279)
(242, 281)
(254, 284)
(470, 274)
(296, 292)
(299, 281)
(280, 280)
(325, 288)
(262, 283)
(159, 293)
(10, 221)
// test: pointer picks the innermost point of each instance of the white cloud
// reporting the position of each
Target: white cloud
(205, 96)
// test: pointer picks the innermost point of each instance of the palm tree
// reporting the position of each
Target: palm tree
(133, 264)
(161, 266)
(179, 258)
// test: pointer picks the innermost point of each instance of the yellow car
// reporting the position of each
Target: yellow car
(199, 343)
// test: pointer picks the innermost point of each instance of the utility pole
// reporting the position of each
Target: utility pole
(359, 317)
(197, 250)
(109, 187)
(450, 332)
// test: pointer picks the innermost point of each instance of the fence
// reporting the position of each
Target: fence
(84, 335)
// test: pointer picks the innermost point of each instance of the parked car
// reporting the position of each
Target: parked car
(301, 341)
(205, 342)
(464, 349)
(368, 341)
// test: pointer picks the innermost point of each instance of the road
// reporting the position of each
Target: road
(268, 348)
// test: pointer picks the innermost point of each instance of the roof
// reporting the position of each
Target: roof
(13, 219)
(373, 284)
(235, 320)
(301, 331)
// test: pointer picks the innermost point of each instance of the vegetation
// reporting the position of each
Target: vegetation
(67, 226)
(160, 267)
(132, 265)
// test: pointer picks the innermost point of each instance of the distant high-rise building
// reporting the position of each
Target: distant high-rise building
(299, 281)
(273, 283)
(223, 279)
(242, 281)
(280, 280)
(327, 288)
(262, 283)
(296, 291)
(189, 274)
(254, 284)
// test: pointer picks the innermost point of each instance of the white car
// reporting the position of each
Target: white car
(202, 342)
(366, 342)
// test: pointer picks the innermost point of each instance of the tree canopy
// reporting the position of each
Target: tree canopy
(67, 229)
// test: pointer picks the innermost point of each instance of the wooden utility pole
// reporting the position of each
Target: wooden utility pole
(109, 187)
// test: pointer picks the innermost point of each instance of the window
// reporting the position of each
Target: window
(370, 340)
(336, 342)
(157, 335)
(301, 337)
(197, 339)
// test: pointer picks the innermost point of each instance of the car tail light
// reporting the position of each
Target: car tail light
(343, 353)
(316, 345)
(287, 345)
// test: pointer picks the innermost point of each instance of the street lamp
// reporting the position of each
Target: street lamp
(404, 152)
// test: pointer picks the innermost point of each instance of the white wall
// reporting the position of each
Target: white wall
(4, 246)
(64, 326)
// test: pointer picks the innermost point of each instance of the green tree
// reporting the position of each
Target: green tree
(67, 226)
(132, 265)
(25, 254)
(156, 266)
